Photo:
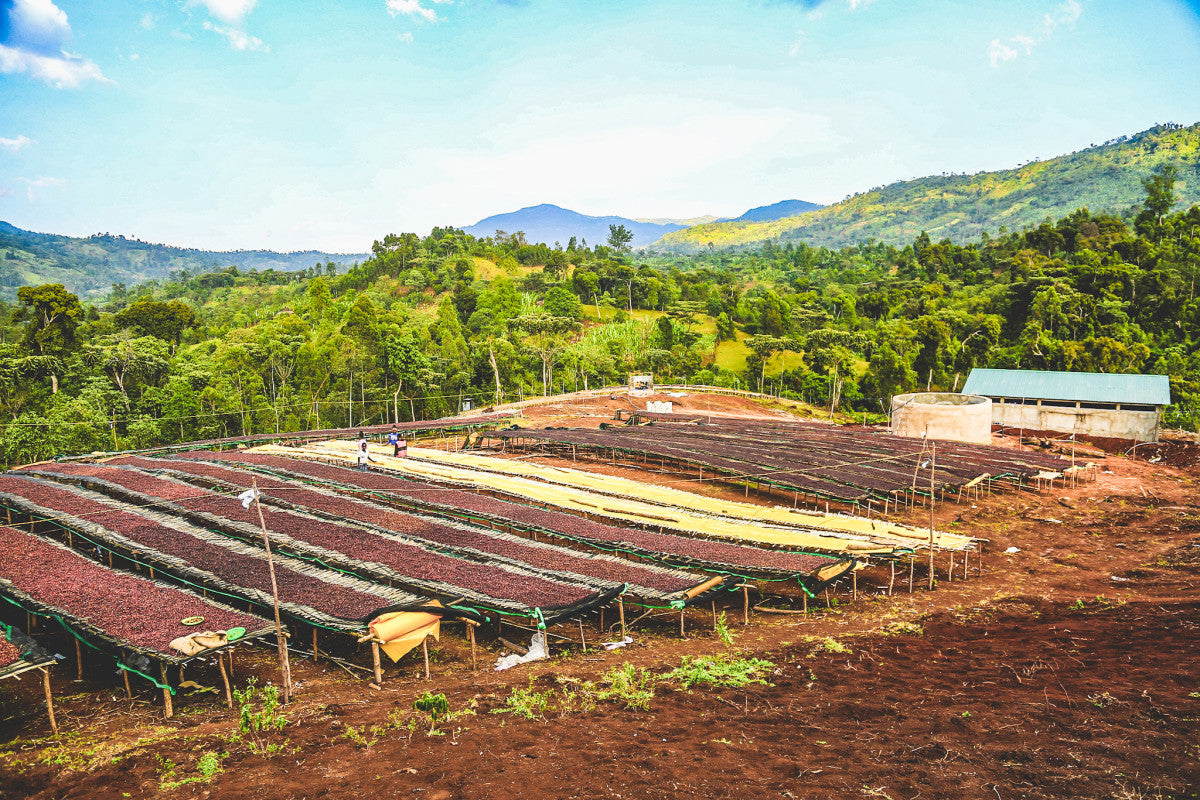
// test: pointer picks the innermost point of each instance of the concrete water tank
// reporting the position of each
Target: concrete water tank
(943, 415)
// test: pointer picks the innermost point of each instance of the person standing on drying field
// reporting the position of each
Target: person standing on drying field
(393, 438)
(363, 454)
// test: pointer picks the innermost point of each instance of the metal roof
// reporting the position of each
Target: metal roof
(1086, 387)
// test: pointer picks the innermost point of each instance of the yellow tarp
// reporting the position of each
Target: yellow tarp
(400, 631)
(689, 520)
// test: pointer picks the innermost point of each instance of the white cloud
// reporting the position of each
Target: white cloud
(39, 183)
(405, 37)
(797, 43)
(64, 72)
(16, 145)
(414, 8)
(1064, 14)
(855, 5)
(148, 22)
(35, 43)
(998, 53)
(231, 12)
(238, 39)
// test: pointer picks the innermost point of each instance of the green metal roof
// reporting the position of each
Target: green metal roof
(1086, 387)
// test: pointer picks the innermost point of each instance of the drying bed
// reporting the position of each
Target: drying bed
(111, 610)
(848, 464)
(648, 581)
(703, 554)
(357, 549)
(443, 425)
(207, 560)
(19, 653)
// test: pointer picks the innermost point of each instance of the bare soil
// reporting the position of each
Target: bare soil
(1068, 669)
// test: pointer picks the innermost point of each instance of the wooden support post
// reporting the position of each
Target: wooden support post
(582, 637)
(375, 663)
(316, 652)
(966, 561)
(854, 583)
(471, 635)
(681, 621)
(224, 680)
(745, 604)
(621, 609)
(128, 691)
(601, 626)
(168, 709)
(804, 596)
(912, 568)
(425, 653)
(950, 575)
(49, 699)
(78, 662)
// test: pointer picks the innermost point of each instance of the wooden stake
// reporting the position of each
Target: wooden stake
(375, 663)
(49, 700)
(745, 605)
(281, 643)
(932, 468)
(681, 621)
(316, 653)
(950, 575)
(621, 609)
(804, 595)
(854, 584)
(224, 679)
(471, 634)
(892, 579)
(168, 709)
(78, 662)
(912, 567)
(128, 691)
(425, 652)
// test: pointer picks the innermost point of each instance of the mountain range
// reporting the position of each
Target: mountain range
(548, 223)
(90, 266)
(1105, 178)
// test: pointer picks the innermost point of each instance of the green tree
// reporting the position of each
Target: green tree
(619, 238)
(51, 314)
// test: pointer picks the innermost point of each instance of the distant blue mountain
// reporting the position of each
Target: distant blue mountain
(784, 208)
(549, 224)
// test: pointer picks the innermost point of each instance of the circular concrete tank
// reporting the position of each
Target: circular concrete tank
(944, 415)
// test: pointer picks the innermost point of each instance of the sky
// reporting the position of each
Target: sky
(294, 125)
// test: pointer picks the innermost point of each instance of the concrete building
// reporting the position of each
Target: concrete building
(1085, 403)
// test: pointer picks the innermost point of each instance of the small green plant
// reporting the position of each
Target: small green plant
(632, 685)
(207, 768)
(435, 705)
(831, 645)
(965, 715)
(1077, 605)
(720, 671)
(721, 628)
(526, 703)
(259, 717)
(902, 629)
(1102, 700)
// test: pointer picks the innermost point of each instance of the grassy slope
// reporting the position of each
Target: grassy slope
(1104, 179)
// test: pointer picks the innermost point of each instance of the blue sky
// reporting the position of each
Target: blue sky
(230, 124)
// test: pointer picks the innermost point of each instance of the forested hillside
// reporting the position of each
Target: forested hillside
(1104, 178)
(91, 266)
(424, 322)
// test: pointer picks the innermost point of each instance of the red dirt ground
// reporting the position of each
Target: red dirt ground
(1069, 669)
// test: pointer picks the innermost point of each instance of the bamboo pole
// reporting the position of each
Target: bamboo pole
(49, 699)
(281, 643)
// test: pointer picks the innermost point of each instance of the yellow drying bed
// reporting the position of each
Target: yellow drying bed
(684, 500)
(628, 510)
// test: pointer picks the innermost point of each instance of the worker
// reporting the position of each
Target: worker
(364, 454)
(393, 438)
